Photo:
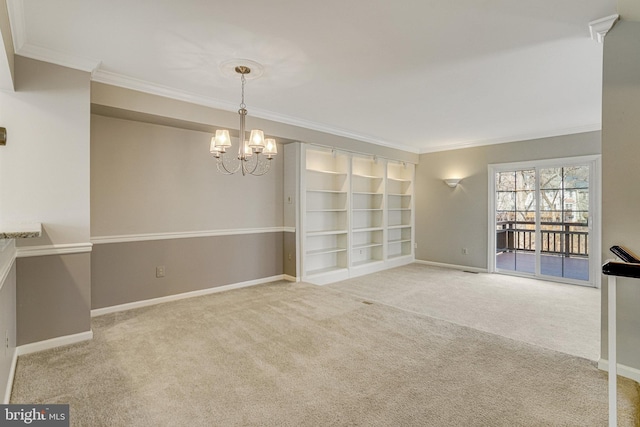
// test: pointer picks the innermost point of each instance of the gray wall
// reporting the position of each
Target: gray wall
(7, 313)
(53, 296)
(449, 219)
(290, 255)
(147, 178)
(620, 176)
(126, 272)
(152, 179)
(291, 157)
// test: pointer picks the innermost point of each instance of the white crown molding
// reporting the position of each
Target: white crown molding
(17, 23)
(289, 229)
(114, 79)
(71, 248)
(514, 138)
(333, 130)
(22, 46)
(97, 240)
(600, 27)
(47, 55)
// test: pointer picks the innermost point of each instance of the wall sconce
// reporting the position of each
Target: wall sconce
(452, 182)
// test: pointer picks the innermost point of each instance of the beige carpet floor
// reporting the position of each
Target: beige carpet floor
(553, 315)
(299, 355)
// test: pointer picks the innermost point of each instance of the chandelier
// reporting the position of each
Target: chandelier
(254, 155)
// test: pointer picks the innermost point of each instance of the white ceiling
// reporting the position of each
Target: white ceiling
(422, 75)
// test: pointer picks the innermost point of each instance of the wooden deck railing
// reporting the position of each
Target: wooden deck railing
(568, 238)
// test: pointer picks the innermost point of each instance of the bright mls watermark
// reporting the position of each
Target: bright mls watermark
(34, 415)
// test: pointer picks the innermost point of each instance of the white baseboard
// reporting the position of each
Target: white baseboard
(36, 347)
(290, 278)
(327, 278)
(399, 261)
(623, 370)
(12, 373)
(53, 343)
(452, 266)
(369, 268)
(145, 303)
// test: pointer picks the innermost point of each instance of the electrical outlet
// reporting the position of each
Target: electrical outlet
(465, 251)
(289, 200)
(290, 256)
(160, 271)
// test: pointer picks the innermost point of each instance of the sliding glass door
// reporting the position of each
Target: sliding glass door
(542, 214)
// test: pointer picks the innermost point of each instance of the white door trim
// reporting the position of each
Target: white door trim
(595, 205)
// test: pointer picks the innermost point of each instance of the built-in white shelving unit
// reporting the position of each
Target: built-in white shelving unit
(356, 214)
(400, 221)
(326, 215)
(367, 211)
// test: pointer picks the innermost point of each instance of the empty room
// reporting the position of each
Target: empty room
(319, 213)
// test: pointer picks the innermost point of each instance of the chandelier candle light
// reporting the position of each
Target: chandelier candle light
(254, 155)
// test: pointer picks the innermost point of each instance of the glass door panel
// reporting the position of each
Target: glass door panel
(564, 226)
(515, 221)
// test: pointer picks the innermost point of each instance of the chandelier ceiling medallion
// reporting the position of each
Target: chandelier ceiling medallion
(254, 155)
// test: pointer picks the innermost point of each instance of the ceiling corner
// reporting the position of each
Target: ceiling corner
(600, 27)
(629, 10)
(22, 47)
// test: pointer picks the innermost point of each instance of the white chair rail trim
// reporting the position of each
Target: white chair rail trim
(186, 234)
(63, 249)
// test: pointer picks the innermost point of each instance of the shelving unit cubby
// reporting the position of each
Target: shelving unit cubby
(400, 228)
(367, 201)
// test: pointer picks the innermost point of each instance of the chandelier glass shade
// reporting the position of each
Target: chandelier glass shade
(254, 154)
